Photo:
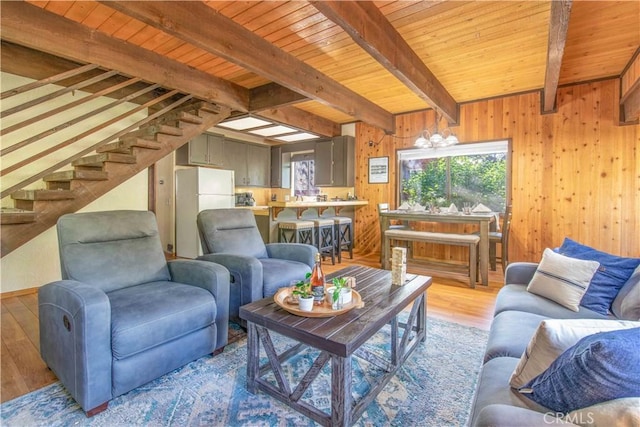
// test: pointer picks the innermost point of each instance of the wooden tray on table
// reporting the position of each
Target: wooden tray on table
(284, 300)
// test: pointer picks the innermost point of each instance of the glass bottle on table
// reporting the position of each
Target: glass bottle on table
(317, 282)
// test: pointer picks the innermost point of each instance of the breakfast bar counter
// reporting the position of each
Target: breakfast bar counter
(277, 207)
(258, 210)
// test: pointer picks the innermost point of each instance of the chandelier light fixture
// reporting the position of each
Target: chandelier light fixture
(437, 138)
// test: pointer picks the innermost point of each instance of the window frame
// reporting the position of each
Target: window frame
(301, 156)
(455, 150)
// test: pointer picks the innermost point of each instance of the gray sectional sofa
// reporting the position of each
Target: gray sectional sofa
(517, 316)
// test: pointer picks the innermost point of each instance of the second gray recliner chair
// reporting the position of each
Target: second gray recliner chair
(230, 237)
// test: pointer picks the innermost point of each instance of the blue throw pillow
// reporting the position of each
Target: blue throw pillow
(598, 368)
(613, 273)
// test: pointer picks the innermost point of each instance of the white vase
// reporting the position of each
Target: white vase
(305, 304)
(345, 297)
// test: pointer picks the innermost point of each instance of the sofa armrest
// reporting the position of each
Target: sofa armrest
(75, 339)
(215, 279)
(246, 282)
(293, 252)
(519, 273)
(505, 415)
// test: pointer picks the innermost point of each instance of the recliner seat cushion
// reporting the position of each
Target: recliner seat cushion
(278, 273)
(151, 314)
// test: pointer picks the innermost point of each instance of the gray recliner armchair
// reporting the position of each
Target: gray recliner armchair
(231, 237)
(122, 316)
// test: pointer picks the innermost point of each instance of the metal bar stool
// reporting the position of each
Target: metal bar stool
(296, 232)
(325, 237)
(344, 236)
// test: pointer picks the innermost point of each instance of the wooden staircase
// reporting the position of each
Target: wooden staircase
(95, 174)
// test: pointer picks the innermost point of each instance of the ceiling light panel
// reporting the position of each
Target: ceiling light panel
(273, 130)
(244, 123)
(297, 137)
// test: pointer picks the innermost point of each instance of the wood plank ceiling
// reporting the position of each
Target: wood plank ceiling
(474, 50)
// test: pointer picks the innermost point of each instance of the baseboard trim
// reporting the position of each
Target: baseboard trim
(19, 293)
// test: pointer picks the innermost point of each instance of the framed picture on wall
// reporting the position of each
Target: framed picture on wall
(378, 170)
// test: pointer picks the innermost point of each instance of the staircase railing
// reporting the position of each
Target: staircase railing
(141, 125)
(156, 102)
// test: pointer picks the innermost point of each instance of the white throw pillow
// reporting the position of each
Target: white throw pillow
(552, 338)
(623, 412)
(562, 279)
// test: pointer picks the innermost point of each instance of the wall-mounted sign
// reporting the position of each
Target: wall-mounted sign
(378, 170)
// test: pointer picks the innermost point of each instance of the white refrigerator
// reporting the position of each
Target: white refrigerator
(198, 189)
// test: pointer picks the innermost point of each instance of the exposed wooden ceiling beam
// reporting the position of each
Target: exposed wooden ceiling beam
(272, 95)
(202, 26)
(31, 26)
(302, 120)
(36, 65)
(558, 26)
(30, 63)
(273, 102)
(371, 30)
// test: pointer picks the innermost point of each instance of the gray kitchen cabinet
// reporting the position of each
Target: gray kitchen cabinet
(280, 168)
(250, 163)
(276, 167)
(335, 162)
(235, 158)
(205, 149)
(258, 165)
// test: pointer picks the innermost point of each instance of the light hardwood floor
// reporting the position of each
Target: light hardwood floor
(22, 370)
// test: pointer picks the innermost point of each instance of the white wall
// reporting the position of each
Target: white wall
(52, 140)
(37, 262)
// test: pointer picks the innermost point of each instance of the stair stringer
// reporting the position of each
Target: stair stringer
(15, 235)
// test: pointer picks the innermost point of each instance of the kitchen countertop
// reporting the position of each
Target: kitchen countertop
(277, 207)
(328, 203)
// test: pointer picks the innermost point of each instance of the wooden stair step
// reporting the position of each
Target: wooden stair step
(209, 108)
(86, 175)
(43, 194)
(149, 132)
(125, 144)
(10, 216)
(190, 118)
(165, 129)
(97, 160)
(181, 116)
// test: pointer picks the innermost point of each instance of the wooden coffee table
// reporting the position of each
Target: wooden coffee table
(338, 339)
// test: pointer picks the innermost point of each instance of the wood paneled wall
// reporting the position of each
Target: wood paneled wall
(575, 173)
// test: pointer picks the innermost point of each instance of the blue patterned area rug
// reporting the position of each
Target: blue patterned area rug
(433, 388)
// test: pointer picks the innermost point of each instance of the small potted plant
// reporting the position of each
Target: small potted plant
(302, 290)
(340, 293)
